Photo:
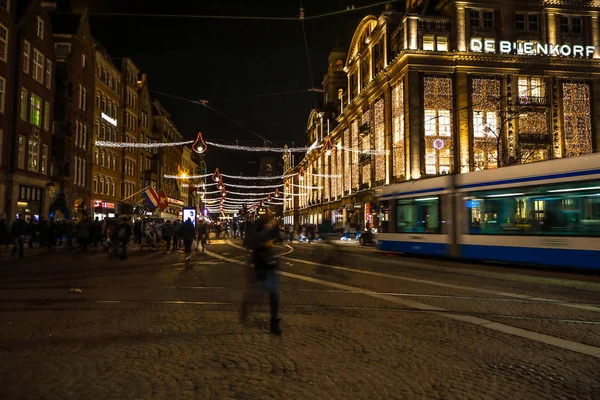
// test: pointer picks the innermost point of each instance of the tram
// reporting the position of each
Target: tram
(544, 213)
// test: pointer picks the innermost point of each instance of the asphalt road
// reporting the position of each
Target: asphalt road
(365, 325)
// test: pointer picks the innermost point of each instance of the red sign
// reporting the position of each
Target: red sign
(163, 201)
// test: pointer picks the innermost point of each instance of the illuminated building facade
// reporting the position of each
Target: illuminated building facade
(447, 87)
(106, 162)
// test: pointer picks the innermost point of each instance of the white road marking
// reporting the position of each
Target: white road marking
(451, 286)
(539, 337)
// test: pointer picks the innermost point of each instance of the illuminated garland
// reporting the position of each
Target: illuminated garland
(104, 143)
(255, 186)
(257, 177)
(325, 175)
(306, 187)
(186, 176)
(259, 149)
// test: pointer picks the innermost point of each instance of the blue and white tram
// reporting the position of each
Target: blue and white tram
(545, 213)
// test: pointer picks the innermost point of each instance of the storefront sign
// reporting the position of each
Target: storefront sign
(101, 204)
(175, 201)
(357, 205)
(532, 48)
(108, 119)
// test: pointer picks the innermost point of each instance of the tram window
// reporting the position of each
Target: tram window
(382, 217)
(418, 215)
(562, 210)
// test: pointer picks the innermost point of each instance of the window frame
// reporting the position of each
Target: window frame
(38, 56)
(40, 27)
(5, 40)
(44, 159)
(21, 152)
(33, 157)
(2, 94)
(24, 104)
(36, 110)
(48, 73)
(26, 56)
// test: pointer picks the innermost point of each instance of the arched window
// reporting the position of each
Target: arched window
(339, 65)
(101, 184)
(95, 183)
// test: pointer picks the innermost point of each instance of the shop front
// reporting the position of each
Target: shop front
(174, 210)
(103, 209)
(30, 202)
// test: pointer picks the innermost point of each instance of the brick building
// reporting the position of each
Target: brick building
(28, 184)
(74, 113)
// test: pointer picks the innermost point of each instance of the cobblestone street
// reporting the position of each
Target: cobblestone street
(368, 326)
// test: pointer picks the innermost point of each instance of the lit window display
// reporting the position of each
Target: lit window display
(531, 90)
(365, 145)
(534, 143)
(379, 141)
(339, 171)
(398, 130)
(355, 155)
(439, 146)
(577, 119)
(347, 162)
(486, 132)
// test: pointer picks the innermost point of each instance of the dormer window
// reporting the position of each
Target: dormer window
(40, 27)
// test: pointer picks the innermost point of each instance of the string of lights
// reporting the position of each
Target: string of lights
(255, 186)
(306, 187)
(325, 175)
(242, 177)
(258, 148)
(105, 143)
(186, 176)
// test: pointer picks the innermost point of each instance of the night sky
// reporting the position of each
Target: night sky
(217, 60)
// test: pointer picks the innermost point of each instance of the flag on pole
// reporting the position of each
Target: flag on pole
(163, 201)
(151, 197)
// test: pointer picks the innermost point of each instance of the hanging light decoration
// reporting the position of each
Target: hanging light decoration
(199, 146)
(301, 174)
(328, 147)
(216, 176)
(276, 192)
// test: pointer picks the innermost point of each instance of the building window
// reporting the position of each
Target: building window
(40, 27)
(96, 153)
(76, 171)
(482, 19)
(571, 25)
(101, 188)
(44, 158)
(24, 99)
(3, 42)
(442, 43)
(38, 66)
(2, 94)
(21, 152)
(144, 119)
(33, 155)
(48, 74)
(84, 137)
(527, 22)
(62, 50)
(47, 116)
(26, 56)
(438, 125)
(95, 183)
(83, 60)
(113, 186)
(35, 110)
(82, 97)
(531, 90)
(428, 42)
(98, 102)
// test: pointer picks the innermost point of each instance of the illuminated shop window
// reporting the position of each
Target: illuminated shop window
(438, 125)
(531, 90)
(398, 130)
(577, 119)
(379, 125)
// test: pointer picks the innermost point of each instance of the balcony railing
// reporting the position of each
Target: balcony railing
(532, 100)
